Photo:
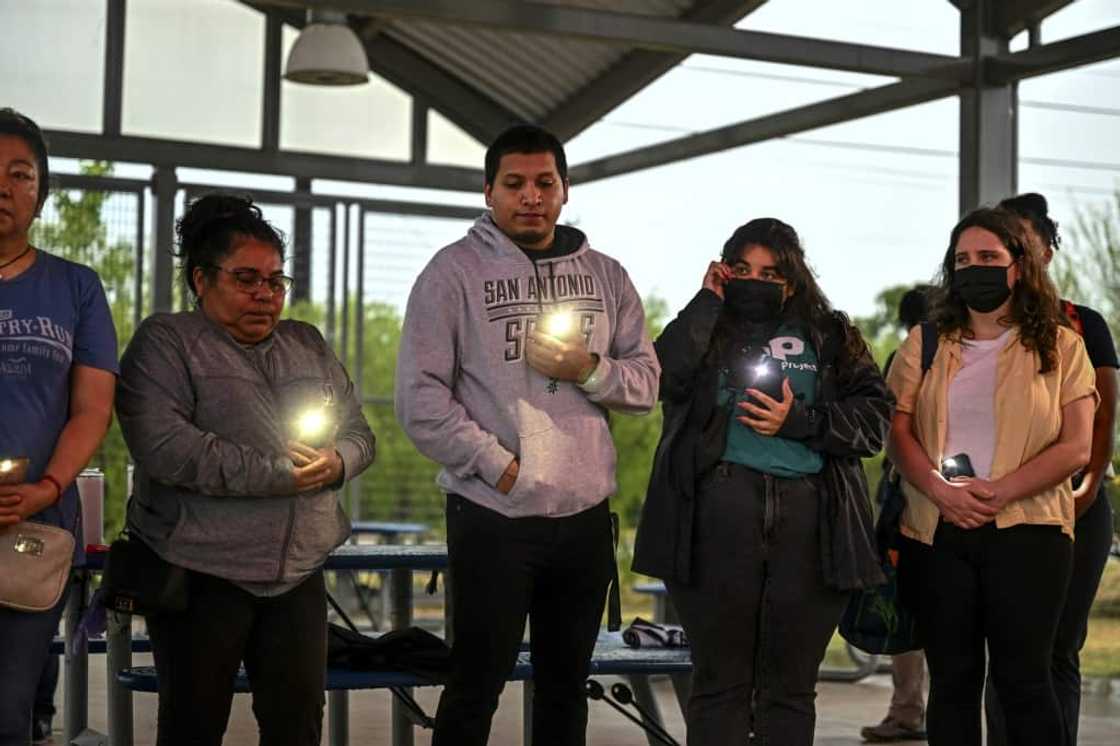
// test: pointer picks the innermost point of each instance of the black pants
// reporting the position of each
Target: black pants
(757, 612)
(282, 641)
(44, 708)
(553, 570)
(1093, 533)
(999, 587)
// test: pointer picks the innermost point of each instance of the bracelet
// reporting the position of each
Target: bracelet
(55, 482)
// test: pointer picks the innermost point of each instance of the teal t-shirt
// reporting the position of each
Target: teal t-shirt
(772, 454)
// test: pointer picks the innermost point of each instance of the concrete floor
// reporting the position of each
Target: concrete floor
(841, 710)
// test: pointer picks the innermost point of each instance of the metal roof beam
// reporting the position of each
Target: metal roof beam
(477, 114)
(286, 163)
(634, 72)
(659, 34)
(1055, 57)
(781, 124)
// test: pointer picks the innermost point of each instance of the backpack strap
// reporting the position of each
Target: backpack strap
(1074, 317)
(929, 345)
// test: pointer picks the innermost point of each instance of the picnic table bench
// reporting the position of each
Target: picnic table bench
(611, 658)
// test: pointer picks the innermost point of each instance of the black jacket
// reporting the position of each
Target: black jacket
(849, 420)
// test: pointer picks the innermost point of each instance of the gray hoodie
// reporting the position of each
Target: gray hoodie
(469, 401)
(207, 421)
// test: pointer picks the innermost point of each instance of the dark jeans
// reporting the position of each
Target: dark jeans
(44, 693)
(757, 612)
(553, 570)
(999, 587)
(25, 639)
(1093, 533)
(283, 642)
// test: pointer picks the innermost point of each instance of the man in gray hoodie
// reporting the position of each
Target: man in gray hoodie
(518, 339)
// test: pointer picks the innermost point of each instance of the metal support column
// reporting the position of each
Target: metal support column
(301, 246)
(119, 699)
(988, 117)
(165, 185)
(76, 659)
(400, 589)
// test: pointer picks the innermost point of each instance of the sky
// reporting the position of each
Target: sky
(874, 200)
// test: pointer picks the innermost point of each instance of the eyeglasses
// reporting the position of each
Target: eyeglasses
(250, 281)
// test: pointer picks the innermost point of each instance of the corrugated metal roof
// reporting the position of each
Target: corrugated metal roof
(510, 67)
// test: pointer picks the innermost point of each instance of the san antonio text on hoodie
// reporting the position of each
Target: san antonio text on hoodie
(469, 400)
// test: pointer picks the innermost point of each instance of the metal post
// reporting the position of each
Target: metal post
(356, 484)
(527, 712)
(643, 695)
(302, 245)
(119, 656)
(338, 717)
(331, 278)
(165, 185)
(344, 343)
(988, 114)
(400, 588)
(113, 85)
(138, 282)
(76, 663)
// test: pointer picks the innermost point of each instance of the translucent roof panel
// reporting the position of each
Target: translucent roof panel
(57, 44)
(926, 26)
(367, 121)
(449, 145)
(193, 71)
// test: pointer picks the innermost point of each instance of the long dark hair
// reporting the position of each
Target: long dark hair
(1035, 307)
(213, 226)
(806, 305)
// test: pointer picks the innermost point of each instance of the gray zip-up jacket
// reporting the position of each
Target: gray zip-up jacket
(468, 399)
(207, 420)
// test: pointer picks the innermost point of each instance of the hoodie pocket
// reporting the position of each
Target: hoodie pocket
(560, 471)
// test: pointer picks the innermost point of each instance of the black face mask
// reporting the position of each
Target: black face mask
(753, 300)
(983, 289)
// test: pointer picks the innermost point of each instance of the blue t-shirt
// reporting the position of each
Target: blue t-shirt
(775, 455)
(53, 316)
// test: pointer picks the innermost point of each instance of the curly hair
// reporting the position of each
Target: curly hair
(1035, 308)
(807, 303)
(213, 227)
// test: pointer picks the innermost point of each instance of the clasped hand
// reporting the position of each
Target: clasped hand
(18, 502)
(768, 415)
(315, 468)
(967, 502)
(562, 359)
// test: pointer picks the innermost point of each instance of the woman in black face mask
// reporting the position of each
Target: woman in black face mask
(987, 540)
(757, 513)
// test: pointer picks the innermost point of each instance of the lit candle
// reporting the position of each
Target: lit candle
(558, 323)
(312, 425)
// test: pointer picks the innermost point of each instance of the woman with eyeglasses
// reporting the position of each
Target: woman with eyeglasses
(757, 515)
(242, 427)
(986, 441)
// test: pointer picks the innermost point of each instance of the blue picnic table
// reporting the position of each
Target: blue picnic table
(400, 561)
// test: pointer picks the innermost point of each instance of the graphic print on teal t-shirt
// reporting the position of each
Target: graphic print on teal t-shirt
(772, 454)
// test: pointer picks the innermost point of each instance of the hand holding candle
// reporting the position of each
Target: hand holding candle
(315, 468)
(557, 351)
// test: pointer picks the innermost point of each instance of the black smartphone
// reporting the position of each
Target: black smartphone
(957, 466)
(754, 369)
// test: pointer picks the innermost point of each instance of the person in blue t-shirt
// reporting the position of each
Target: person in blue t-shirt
(58, 365)
(757, 502)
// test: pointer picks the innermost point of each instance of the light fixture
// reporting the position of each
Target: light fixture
(327, 52)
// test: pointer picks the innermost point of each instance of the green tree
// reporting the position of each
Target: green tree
(73, 227)
(880, 328)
